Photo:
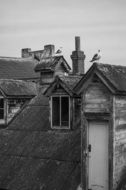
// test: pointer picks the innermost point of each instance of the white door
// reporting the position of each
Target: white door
(98, 156)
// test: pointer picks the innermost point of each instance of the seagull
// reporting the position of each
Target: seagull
(59, 51)
(96, 57)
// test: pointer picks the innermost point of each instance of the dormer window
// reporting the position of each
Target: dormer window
(60, 112)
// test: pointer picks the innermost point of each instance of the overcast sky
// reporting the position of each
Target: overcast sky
(101, 24)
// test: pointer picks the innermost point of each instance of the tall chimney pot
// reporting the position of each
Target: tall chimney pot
(78, 58)
(77, 43)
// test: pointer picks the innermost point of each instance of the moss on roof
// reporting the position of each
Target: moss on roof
(12, 87)
(114, 75)
(35, 157)
(17, 68)
(49, 63)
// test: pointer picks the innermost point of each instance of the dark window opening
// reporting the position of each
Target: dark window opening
(1, 108)
(60, 111)
(95, 79)
(56, 111)
(64, 111)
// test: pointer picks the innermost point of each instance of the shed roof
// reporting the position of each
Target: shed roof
(32, 156)
(113, 75)
(49, 63)
(12, 87)
(17, 68)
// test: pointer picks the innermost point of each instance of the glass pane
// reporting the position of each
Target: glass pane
(1, 114)
(56, 111)
(1, 103)
(1, 108)
(64, 111)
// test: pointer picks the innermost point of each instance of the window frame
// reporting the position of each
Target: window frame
(60, 126)
(2, 120)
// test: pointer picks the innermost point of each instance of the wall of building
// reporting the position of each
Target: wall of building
(120, 141)
(46, 78)
(76, 113)
(10, 108)
(97, 99)
(13, 106)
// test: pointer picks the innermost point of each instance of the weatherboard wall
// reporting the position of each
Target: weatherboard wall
(97, 99)
(120, 141)
(99, 104)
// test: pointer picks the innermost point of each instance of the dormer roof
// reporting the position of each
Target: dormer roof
(66, 82)
(113, 76)
(49, 64)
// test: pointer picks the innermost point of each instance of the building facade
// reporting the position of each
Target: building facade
(72, 134)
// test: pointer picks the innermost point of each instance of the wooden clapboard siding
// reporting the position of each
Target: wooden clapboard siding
(97, 99)
(120, 138)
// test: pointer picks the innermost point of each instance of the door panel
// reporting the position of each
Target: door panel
(98, 155)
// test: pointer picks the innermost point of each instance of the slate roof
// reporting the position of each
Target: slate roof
(67, 82)
(114, 75)
(16, 88)
(71, 80)
(32, 156)
(49, 63)
(17, 68)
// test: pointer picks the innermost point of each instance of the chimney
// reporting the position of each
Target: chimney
(49, 50)
(78, 58)
(25, 52)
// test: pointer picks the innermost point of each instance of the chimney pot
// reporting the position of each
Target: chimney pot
(78, 58)
(77, 43)
(25, 52)
(49, 50)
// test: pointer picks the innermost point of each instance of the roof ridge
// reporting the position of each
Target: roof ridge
(16, 58)
(107, 64)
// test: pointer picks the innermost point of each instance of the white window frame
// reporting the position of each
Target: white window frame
(60, 126)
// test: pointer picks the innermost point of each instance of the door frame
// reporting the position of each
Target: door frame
(88, 117)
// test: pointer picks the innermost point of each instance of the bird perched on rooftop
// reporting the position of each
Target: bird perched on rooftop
(59, 51)
(96, 57)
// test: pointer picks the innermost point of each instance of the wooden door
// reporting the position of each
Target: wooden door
(98, 156)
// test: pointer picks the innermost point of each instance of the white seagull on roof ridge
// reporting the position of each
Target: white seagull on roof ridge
(96, 57)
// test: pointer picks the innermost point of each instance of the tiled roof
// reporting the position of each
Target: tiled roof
(32, 156)
(114, 75)
(67, 82)
(17, 68)
(12, 87)
(49, 63)
(71, 80)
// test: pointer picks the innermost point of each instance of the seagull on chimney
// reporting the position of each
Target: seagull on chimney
(96, 57)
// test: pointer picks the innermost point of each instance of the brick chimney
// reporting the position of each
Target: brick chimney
(25, 52)
(49, 50)
(78, 58)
